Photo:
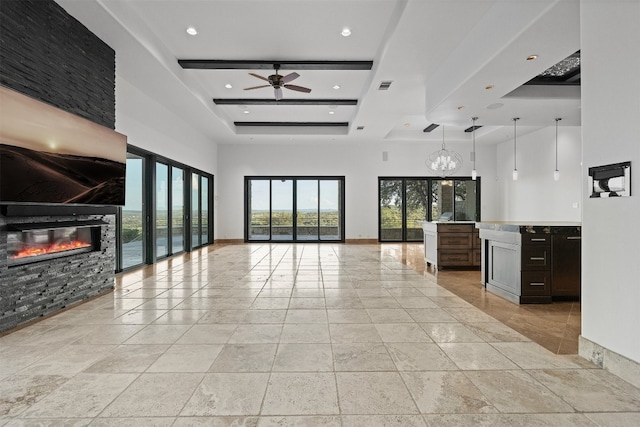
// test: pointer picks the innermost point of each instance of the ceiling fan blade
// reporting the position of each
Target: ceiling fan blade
(259, 76)
(278, 93)
(256, 87)
(298, 88)
(290, 77)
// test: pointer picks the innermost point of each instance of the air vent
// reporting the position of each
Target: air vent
(385, 85)
(360, 128)
(431, 127)
(472, 128)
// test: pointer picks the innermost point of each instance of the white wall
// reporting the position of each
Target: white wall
(611, 233)
(150, 126)
(535, 196)
(360, 164)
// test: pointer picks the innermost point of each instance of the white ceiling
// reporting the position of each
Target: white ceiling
(440, 55)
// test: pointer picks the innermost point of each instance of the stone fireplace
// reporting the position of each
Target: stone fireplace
(53, 275)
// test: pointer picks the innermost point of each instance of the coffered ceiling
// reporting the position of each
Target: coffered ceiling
(446, 61)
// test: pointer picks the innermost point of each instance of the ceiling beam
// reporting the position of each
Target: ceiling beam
(222, 64)
(270, 101)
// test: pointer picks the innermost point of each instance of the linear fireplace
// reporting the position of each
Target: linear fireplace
(35, 242)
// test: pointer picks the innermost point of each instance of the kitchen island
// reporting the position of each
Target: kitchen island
(451, 244)
(531, 262)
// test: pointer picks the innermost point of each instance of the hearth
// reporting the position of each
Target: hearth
(36, 242)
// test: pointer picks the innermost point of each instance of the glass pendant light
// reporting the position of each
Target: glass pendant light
(444, 162)
(556, 173)
(515, 169)
(474, 173)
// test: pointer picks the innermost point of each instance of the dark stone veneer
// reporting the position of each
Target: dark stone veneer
(47, 54)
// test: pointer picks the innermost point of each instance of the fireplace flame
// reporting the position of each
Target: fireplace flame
(54, 247)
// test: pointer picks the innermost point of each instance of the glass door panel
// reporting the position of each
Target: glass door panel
(330, 212)
(204, 210)
(177, 210)
(416, 202)
(307, 215)
(465, 200)
(195, 210)
(162, 209)
(442, 205)
(259, 220)
(391, 210)
(132, 236)
(282, 209)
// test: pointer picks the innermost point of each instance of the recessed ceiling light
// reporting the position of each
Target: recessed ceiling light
(246, 111)
(336, 87)
(488, 87)
(332, 112)
(532, 57)
(192, 31)
(228, 86)
(407, 125)
(460, 107)
(346, 32)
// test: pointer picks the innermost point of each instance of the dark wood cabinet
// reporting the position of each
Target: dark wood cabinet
(565, 270)
(452, 245)
(535, 268)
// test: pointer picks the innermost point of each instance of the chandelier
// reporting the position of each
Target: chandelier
(444, 162)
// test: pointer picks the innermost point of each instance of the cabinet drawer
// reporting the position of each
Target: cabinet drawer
(455, 228)
(454, 240)
(536, 283)
(535, 258)
(530, 239)
(455, 258)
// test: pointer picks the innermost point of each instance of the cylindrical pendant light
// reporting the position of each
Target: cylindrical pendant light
(474, 173)
(556, 173)
(515, 169)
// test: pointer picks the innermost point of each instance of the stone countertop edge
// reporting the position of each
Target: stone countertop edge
(531, 227)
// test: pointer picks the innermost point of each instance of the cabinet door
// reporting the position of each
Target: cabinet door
(566, 266)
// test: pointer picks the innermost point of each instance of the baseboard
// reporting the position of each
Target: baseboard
(361, 241)
(623, 367)
(229, 241)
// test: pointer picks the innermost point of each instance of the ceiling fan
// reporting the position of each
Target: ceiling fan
(278, 82)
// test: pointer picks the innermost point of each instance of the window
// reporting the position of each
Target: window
(162, 210)
(405, 202)
(177, 210)
(199, 210)
(132, 229)
(294, 209)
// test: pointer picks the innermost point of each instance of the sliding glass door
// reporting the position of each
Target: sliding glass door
(292, 209)
(405, 202)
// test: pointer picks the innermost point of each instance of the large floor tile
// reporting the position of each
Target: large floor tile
(353, 333)
(517, 392)
(305, 333)
(303, 358)
(97, 391)
(374, 393)
(301, 394)
(245, 358)
(186, 358)
(402, 332)
(383, 420)
(128, 358)
(590, 390)
(476, 356)
(228, 394)
(446, 392)
(419, 357)
(19, 392)
(362, 357)
(161, 395)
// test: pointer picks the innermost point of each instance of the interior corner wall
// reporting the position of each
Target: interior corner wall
(360, 164)
(152, 127)
(610, 233)
(535, 196)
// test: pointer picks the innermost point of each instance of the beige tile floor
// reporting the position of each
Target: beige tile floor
(284, 335)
